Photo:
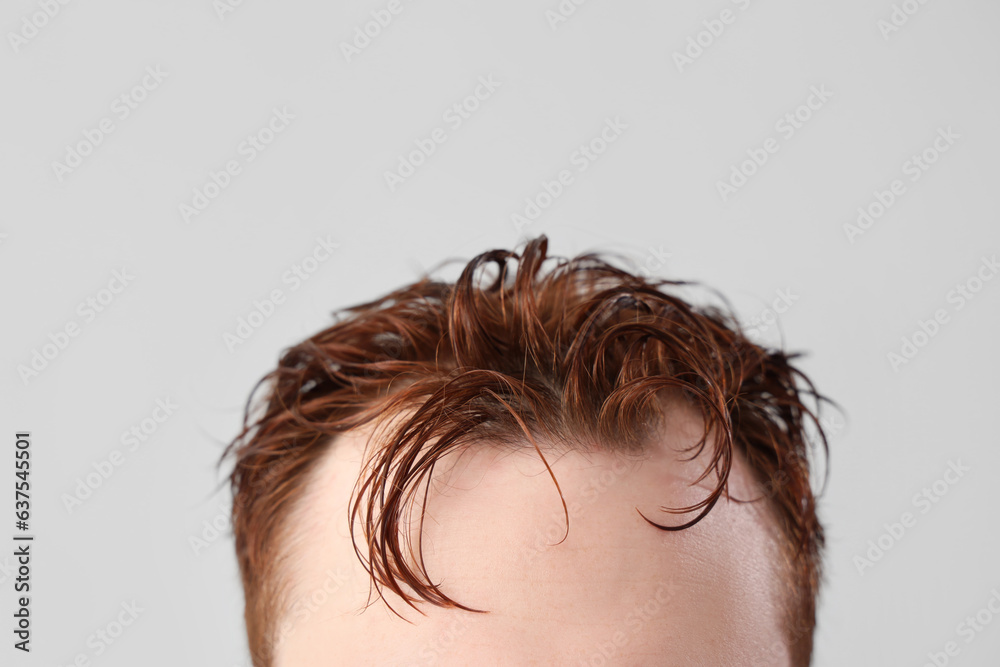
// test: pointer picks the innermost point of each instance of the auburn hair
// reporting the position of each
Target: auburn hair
(579, 351)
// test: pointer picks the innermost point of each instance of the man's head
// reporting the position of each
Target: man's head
(565, 463)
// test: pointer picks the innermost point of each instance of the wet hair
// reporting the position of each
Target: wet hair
(579, 352)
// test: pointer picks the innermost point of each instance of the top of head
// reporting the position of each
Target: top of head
(498, 405)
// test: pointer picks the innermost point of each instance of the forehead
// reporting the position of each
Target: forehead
(612, 589)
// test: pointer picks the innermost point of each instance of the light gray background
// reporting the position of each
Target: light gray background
(652, 193)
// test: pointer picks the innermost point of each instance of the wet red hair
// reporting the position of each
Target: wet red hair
(579, 353)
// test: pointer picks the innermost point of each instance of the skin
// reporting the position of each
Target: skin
(616, 591)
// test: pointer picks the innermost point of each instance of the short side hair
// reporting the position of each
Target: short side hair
(579, 352)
